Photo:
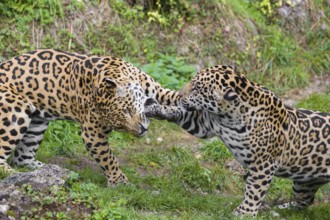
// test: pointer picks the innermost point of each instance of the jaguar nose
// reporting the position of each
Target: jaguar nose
(143, 130)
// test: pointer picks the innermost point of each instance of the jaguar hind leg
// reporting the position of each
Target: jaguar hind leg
(27, 148)
(15, 117)
(304, 194)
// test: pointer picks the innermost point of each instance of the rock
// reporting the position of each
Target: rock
(13, 197)
(4, 209)
(198, 155)
(293, 9)
(235, 166)
(227, 29)
(48, 175)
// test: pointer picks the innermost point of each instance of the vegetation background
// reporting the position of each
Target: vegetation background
(284, 45)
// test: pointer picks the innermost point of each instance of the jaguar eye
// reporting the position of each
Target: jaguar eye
(197, 86)
(186, 106)
(128, 111)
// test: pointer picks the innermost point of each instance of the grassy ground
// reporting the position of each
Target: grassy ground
(172, 174)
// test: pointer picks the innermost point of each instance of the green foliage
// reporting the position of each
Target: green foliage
(169, 71)
(195, 176)
(266, 7)
(127, 12)
(62, 138)
(3, 174)
(216, 150)
(282, 65)
(282, 57)
(26, 11)
(125, 35)
(318, 54)
(316, 102)
(120, 40)
(24, 18)
(105, 208)
(163, 12)
(170, 12)
(59, 202)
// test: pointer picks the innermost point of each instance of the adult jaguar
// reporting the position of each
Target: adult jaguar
(265, 136)
(102, 93)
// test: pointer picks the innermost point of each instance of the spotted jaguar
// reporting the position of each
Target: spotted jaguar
(101, 93)
(265, 136)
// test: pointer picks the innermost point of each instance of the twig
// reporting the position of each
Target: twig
(71, 32)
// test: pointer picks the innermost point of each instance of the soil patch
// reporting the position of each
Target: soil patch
(318, 84)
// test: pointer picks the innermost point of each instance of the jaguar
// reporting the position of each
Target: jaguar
(101, 93)
(265, 136)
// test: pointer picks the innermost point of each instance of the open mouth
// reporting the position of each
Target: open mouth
(140, 132)
(120, 129)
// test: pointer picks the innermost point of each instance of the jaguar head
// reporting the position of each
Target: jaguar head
(211, 90)
(122, 103)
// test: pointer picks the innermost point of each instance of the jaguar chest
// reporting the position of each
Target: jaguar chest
(236, 136)
(241, 151)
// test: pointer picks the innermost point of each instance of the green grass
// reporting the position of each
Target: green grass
(178, 178)
(316, 102)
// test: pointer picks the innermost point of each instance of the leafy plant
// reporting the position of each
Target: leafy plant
(41, 10)
(127, 12)
(266, 7)
(24, 19)
(170, 71)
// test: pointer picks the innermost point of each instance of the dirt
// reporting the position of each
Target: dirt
(78, 163)
(318, 84)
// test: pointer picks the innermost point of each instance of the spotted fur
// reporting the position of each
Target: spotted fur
(102, 93)
(265, 136)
